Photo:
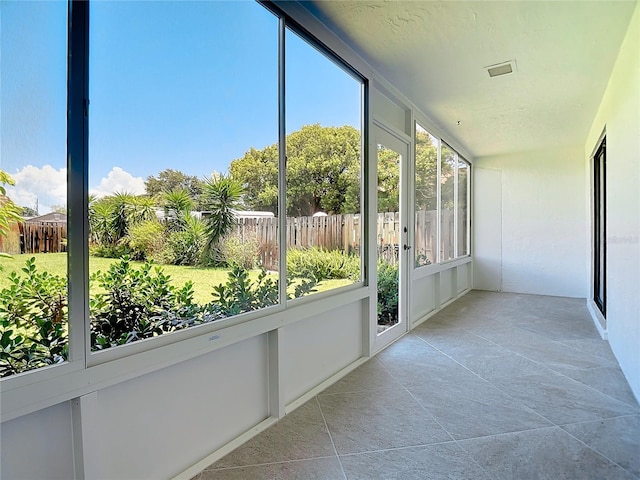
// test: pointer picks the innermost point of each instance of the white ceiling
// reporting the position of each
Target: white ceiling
(435, 53)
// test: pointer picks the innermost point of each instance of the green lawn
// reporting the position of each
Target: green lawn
(204, 279)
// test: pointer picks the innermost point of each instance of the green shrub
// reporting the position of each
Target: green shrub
(137, 304)
(421, 259)
(322, 265)
(33, 321)
(182, 248)
(235, 251)
(146, 240)
(387, 293)
(240, 294)
(126, 305)
(109, 251)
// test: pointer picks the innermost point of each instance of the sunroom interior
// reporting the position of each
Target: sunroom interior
(522, 95)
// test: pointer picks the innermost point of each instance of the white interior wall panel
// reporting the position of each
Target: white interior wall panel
(462, 278)
(317, 347)
(487, 229)
(544, 221)
(423, 299)
(387, 111)
(38, 446)
(157, 425)
(619, 113)
(446, 286)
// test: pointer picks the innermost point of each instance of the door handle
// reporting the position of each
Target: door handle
(406, 247)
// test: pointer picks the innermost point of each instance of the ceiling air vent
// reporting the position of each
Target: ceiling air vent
(501, 68)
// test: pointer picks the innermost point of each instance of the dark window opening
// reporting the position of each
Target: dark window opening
(600, 229)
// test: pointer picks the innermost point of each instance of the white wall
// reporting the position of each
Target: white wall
(487, 229)
(156, 425)
(317, 347)
(619, 112)
(544, 218)
(38, 446)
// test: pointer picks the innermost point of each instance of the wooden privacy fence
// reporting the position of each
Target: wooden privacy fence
(332, 232)
(343, 232)
(43, 237)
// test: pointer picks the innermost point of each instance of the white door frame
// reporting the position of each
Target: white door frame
(400, 143)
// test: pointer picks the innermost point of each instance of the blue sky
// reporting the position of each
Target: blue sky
(183, 85)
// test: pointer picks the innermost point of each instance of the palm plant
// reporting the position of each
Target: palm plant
(111, 217)
(221, 198)
(128, 209)
(100, 221)
(177, 200)
(177, 205)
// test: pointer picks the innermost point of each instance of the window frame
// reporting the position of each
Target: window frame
(457, 158)
(295, 28)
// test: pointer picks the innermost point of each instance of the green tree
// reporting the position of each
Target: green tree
(323, 164)
(426, 172)
(323, 172)
(59, 209)
(257, 172)
(28, 212)
(447, 178)
(170, 180)
(388, 180)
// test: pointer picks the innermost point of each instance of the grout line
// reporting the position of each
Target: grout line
(555, 372)
(595, 450)
(441, 426)
(601, 419)
(266, 464)
(516, 400)
(326, 425)
(538, 363)
(547, 371)
(394, 449)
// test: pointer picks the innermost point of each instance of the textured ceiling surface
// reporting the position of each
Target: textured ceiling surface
(435, 52)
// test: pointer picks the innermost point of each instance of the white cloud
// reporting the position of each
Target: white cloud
(42, 186)
(46, 186)
(118, 180)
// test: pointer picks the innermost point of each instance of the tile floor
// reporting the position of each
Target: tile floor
(495, 386)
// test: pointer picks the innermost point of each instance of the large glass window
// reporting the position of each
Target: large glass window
(183, 165)
(447, 202)
(183, 160)
(33, 187)
(426, 198)
(441, 201)
(462, 211)
(323, 148)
